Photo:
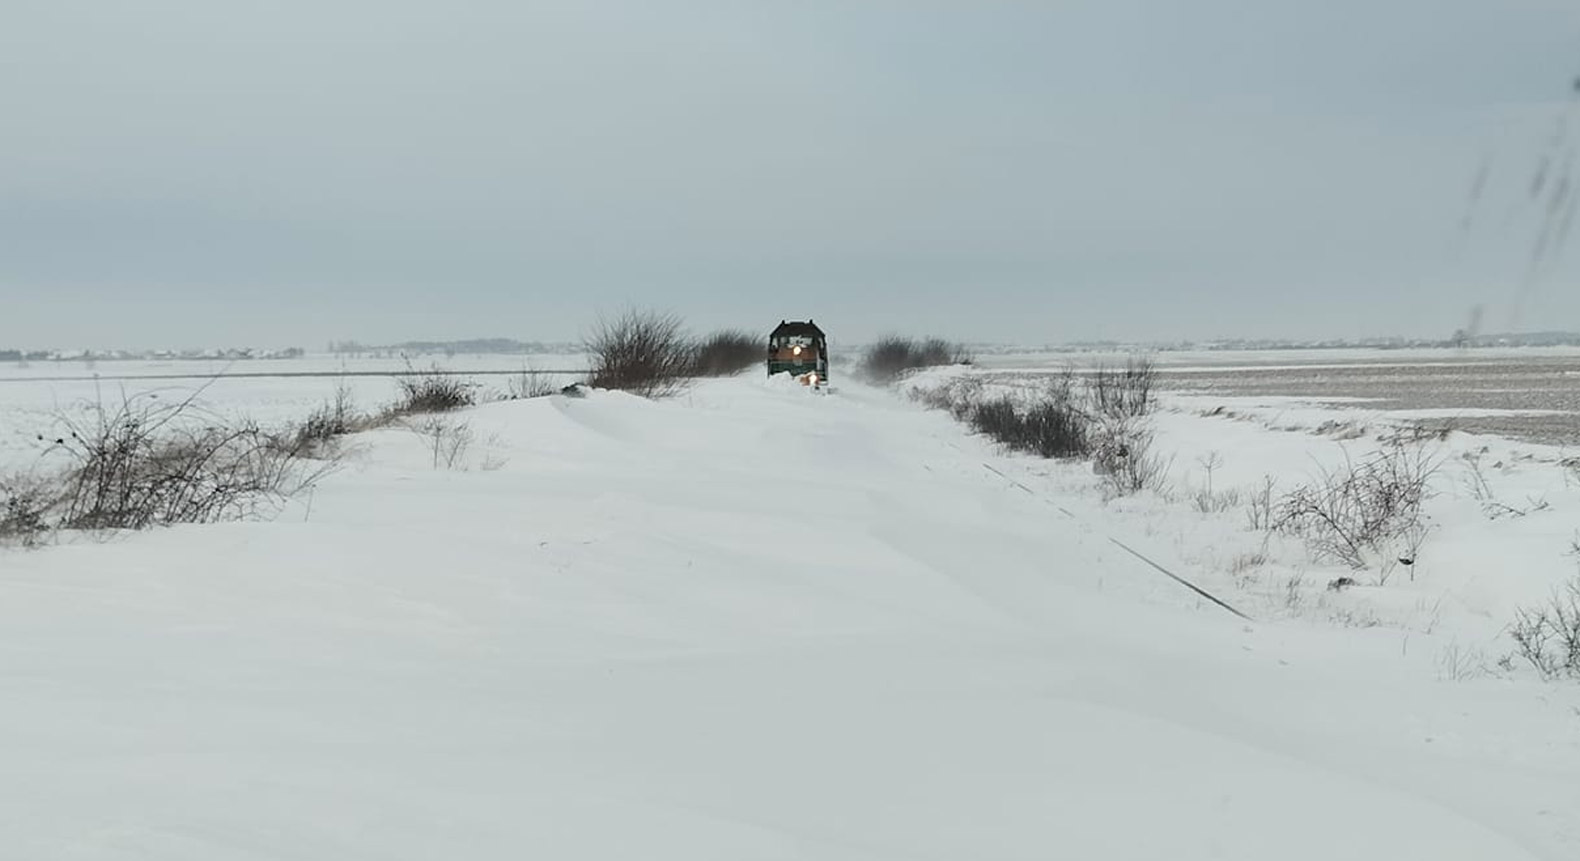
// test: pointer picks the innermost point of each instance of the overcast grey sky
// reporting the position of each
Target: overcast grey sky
(195, 172)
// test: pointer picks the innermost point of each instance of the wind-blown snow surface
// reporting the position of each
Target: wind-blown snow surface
(747, 623)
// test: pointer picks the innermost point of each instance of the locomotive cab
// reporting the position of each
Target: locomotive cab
(801, 350)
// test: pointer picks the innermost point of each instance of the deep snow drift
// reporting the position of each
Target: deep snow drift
(747, 623)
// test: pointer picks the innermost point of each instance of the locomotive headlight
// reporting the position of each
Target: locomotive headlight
(812, 378)
(796, 350)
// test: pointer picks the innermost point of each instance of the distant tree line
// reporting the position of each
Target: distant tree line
(22, 355)
(470, 346)
(117, 355)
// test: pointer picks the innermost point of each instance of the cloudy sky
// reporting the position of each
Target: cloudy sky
(196, 172)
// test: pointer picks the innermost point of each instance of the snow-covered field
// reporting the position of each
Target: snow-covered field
(1502, 523)
(1210, 360)
(751, 622)
(270, 391)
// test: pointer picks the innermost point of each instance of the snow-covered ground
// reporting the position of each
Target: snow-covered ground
(35, 395)
(752, 622)
(1502, 521)
(1010, 358)
(325, 364)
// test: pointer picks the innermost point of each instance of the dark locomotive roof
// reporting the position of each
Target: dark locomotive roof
(796, 328)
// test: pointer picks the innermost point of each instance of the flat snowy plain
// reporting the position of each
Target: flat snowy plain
(752, 622)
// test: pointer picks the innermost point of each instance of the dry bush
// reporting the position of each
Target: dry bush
(1065, 388)
(1295, 594)
(1052, 427)
(27, 504)
(958, 397)
(1057, 425)
(1260, 510)
(937, 351)
(1102, 419)
(1122, 454)
(938, 398)
(147, 463)
(529, 384)
(1217, 502)
(1456, 663)
(645, 353)
(447, 439)
(1481, 491)
(1055, 429)
(1117, 401)
(1548, 636)
(885, 360)
(315, 435)
(1048, 429)
(997, 418)
(432, 391)
(1243, 568)
(1370, 509)
(1121, 394)
(1208, 500)
(1416, 433)
(728, 352)
(892, 356)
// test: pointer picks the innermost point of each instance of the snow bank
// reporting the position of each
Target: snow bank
(744, 623)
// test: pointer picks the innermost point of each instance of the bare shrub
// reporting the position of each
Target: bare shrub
(997, 418)
(938, 398)
(1209, 501)
(146, 463)
(958, 397)
(1349, 618)
(529, 384)
(1118, 400)
(645, 353)
(1259, 510)
(1405, 547)
(937, 351)
(1243, 568)
(493, 462)
(965, 400)
(1294, 594)
(1416, 433)
(892, 356)
(1456, 663)
(332, 420)
(1362, 510)
(1102, 419)
(1064, 387)
(1055, 429)
(26, 505)
(1217, 502)
(432, 391)
(726, 353)
(1120, 394)
(885, 360)
(1481, 490)
(1548, 635)
(1047, 429)
(447, 439)
(1122, 455)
